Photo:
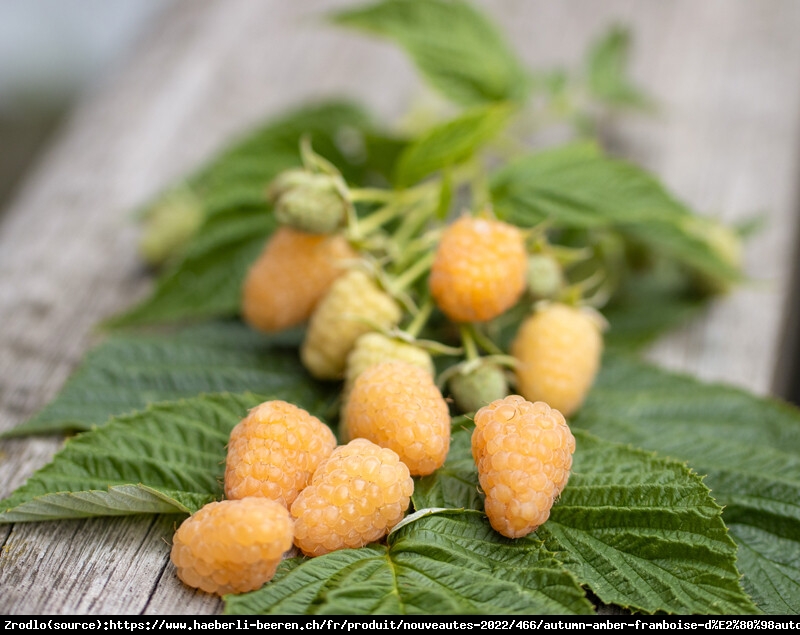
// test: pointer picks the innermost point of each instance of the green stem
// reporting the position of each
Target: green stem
(408, 277)
(362, 227)
(371, 195)
(420, 319)
(485, 342)
(468, 342)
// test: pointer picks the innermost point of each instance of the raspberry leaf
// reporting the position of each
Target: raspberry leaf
(207, 282)
(455, 484)
(448, 562)
(749, 447)
(450, 143)
(130, 370)
(456, 48)
(606, 67)
(644, 533)
(205, 275)
(250, 162)
(576, 186)
(625, 518)
(169, 457)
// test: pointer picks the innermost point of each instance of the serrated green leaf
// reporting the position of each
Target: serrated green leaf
(206, 272)
(607, 70)
(575, 186)
(167, 458)
(250, 162)
(456, 48)
(648, 534)
(455, 484)
(748, 446)
(443, 563)
(640, 531)
(207, 282)
(451, 143)
(129, 371)
(647, 304)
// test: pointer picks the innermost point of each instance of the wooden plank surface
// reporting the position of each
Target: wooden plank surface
(725, 74)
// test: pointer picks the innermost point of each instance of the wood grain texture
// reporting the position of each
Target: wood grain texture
(725, 140)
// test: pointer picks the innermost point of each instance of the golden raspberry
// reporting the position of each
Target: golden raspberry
(559, 349)
(293, 272)
(397, 405)
(374, 348)
(479, 269)
(523, 451)
(274, 451)
(354, 305)
(356, 497)
(232, 546)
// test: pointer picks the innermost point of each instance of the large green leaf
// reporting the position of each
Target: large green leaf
(169, 457)
(640, 531)
(607, 70)
(457, 49)
(443, 563)
(208, 264)
(450, 143)
(129, 371)
(648, 304)
(749, 447)
(339, 130)
(251, 161)
(207, 282)
(576, 186)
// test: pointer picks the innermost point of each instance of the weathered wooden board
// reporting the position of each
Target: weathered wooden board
(725, 74)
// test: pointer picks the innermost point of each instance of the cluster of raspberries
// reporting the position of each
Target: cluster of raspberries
(288, 481)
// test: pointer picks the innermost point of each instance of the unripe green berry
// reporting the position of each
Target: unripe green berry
(474, 389)
(169, 224)
(285, 181)
(545, 277)
(311, 203)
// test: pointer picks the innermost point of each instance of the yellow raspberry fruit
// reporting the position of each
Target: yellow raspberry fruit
(523, 451)
(398, 406)
(559, 349)
(356, 497)
(479, 269)
(354, 305)
(232, 546)
(291, 275)
(274, 451)
(373, 348)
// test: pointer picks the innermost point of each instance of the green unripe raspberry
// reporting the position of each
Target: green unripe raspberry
(285, 181)
(309, 202)
(545, 277)
(169, 224)
(481, 386)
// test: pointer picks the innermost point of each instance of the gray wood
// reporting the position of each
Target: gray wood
(725, 140)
